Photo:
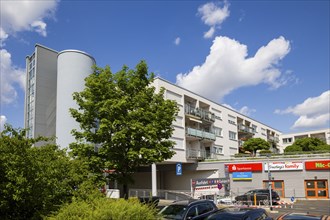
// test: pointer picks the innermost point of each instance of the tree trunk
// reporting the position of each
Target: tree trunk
(125, 191)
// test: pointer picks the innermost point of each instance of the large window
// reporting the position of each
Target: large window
(218, 131)
(316, 189)
(277, 185)
(287, 140)
(232, 135)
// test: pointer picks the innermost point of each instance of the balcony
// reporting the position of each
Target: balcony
(202, 155)
(245, 129)
(200, 134)
(274, 139)
(201, 113)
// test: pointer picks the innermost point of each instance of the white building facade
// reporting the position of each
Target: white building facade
(207, 130)
(207, 135)
(52, 77)
(289, 139)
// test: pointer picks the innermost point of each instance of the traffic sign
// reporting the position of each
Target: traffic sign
(292, 199)
(178, 169)
(219, 186)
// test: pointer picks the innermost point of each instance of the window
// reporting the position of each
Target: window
(218, 131)
(255, 128)
(287, 140)
(204, 208)
(217, 114)
(232, 135)
(218, 150)
(231, 122)
(192, 212)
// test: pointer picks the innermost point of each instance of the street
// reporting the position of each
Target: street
(317, 207)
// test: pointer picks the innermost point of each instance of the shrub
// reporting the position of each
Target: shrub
(105, 208)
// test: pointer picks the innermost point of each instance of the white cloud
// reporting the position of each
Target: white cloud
(314, 112)
(10, 75)
(16, 16)
(25, 15)
(245, 110)
(177, 41)
(3, 121)
(213, 15)
(228, 67)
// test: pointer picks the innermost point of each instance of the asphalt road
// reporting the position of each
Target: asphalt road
(316, 207)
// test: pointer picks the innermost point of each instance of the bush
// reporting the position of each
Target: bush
(293, 148)
(105, 208)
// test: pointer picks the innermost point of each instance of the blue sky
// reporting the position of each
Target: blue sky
(266, 59)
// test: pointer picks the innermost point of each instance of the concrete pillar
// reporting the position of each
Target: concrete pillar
(154, 179)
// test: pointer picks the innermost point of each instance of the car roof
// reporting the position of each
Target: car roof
(190, 201)
(302, 216)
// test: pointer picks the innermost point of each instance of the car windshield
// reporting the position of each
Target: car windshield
(173, 211)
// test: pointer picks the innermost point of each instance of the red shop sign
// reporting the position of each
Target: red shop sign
(243, 167)
(317, 165)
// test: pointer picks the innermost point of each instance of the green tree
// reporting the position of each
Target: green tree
(34, 181)
(128, 121)
(307, 144)
(293, 148)
(254, 144)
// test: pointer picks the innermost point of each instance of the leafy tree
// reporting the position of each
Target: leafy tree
(307, 144)
(126, 119)
(254, 144)
(34, 181)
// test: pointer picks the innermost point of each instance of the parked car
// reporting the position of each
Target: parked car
(189, 209)
(262, 197)
(302, 216)
(240, 213)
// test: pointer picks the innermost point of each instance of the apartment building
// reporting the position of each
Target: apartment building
(52, 77)
(207, 130)
(203, 130)
(289, 139)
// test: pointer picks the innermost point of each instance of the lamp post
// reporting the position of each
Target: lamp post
(269, 183)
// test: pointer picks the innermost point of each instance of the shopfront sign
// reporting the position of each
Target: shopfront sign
(317, 165)
(242, 176)
(284, 166)
(245, 167)
(209, 185)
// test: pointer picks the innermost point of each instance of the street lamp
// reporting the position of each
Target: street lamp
(269, 183)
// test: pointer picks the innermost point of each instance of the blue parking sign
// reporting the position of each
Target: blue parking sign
(178, 169)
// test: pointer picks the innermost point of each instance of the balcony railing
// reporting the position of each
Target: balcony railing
(273, 138)
(201, 113)
(244, 128)
(200, 134)
(202, 154)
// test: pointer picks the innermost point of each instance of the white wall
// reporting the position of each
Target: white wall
(73, 67)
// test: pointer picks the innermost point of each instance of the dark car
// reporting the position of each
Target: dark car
(189, 209)
(261, 196)
(302, 216)
(240, 214)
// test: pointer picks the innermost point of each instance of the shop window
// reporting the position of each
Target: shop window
(277, 185)
(316, 188)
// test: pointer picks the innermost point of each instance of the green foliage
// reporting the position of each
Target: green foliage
(254, 144)
(265, 152)
(308, 144)
(293, 148)
(34, 180)
(105, 208)
(130, 123)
